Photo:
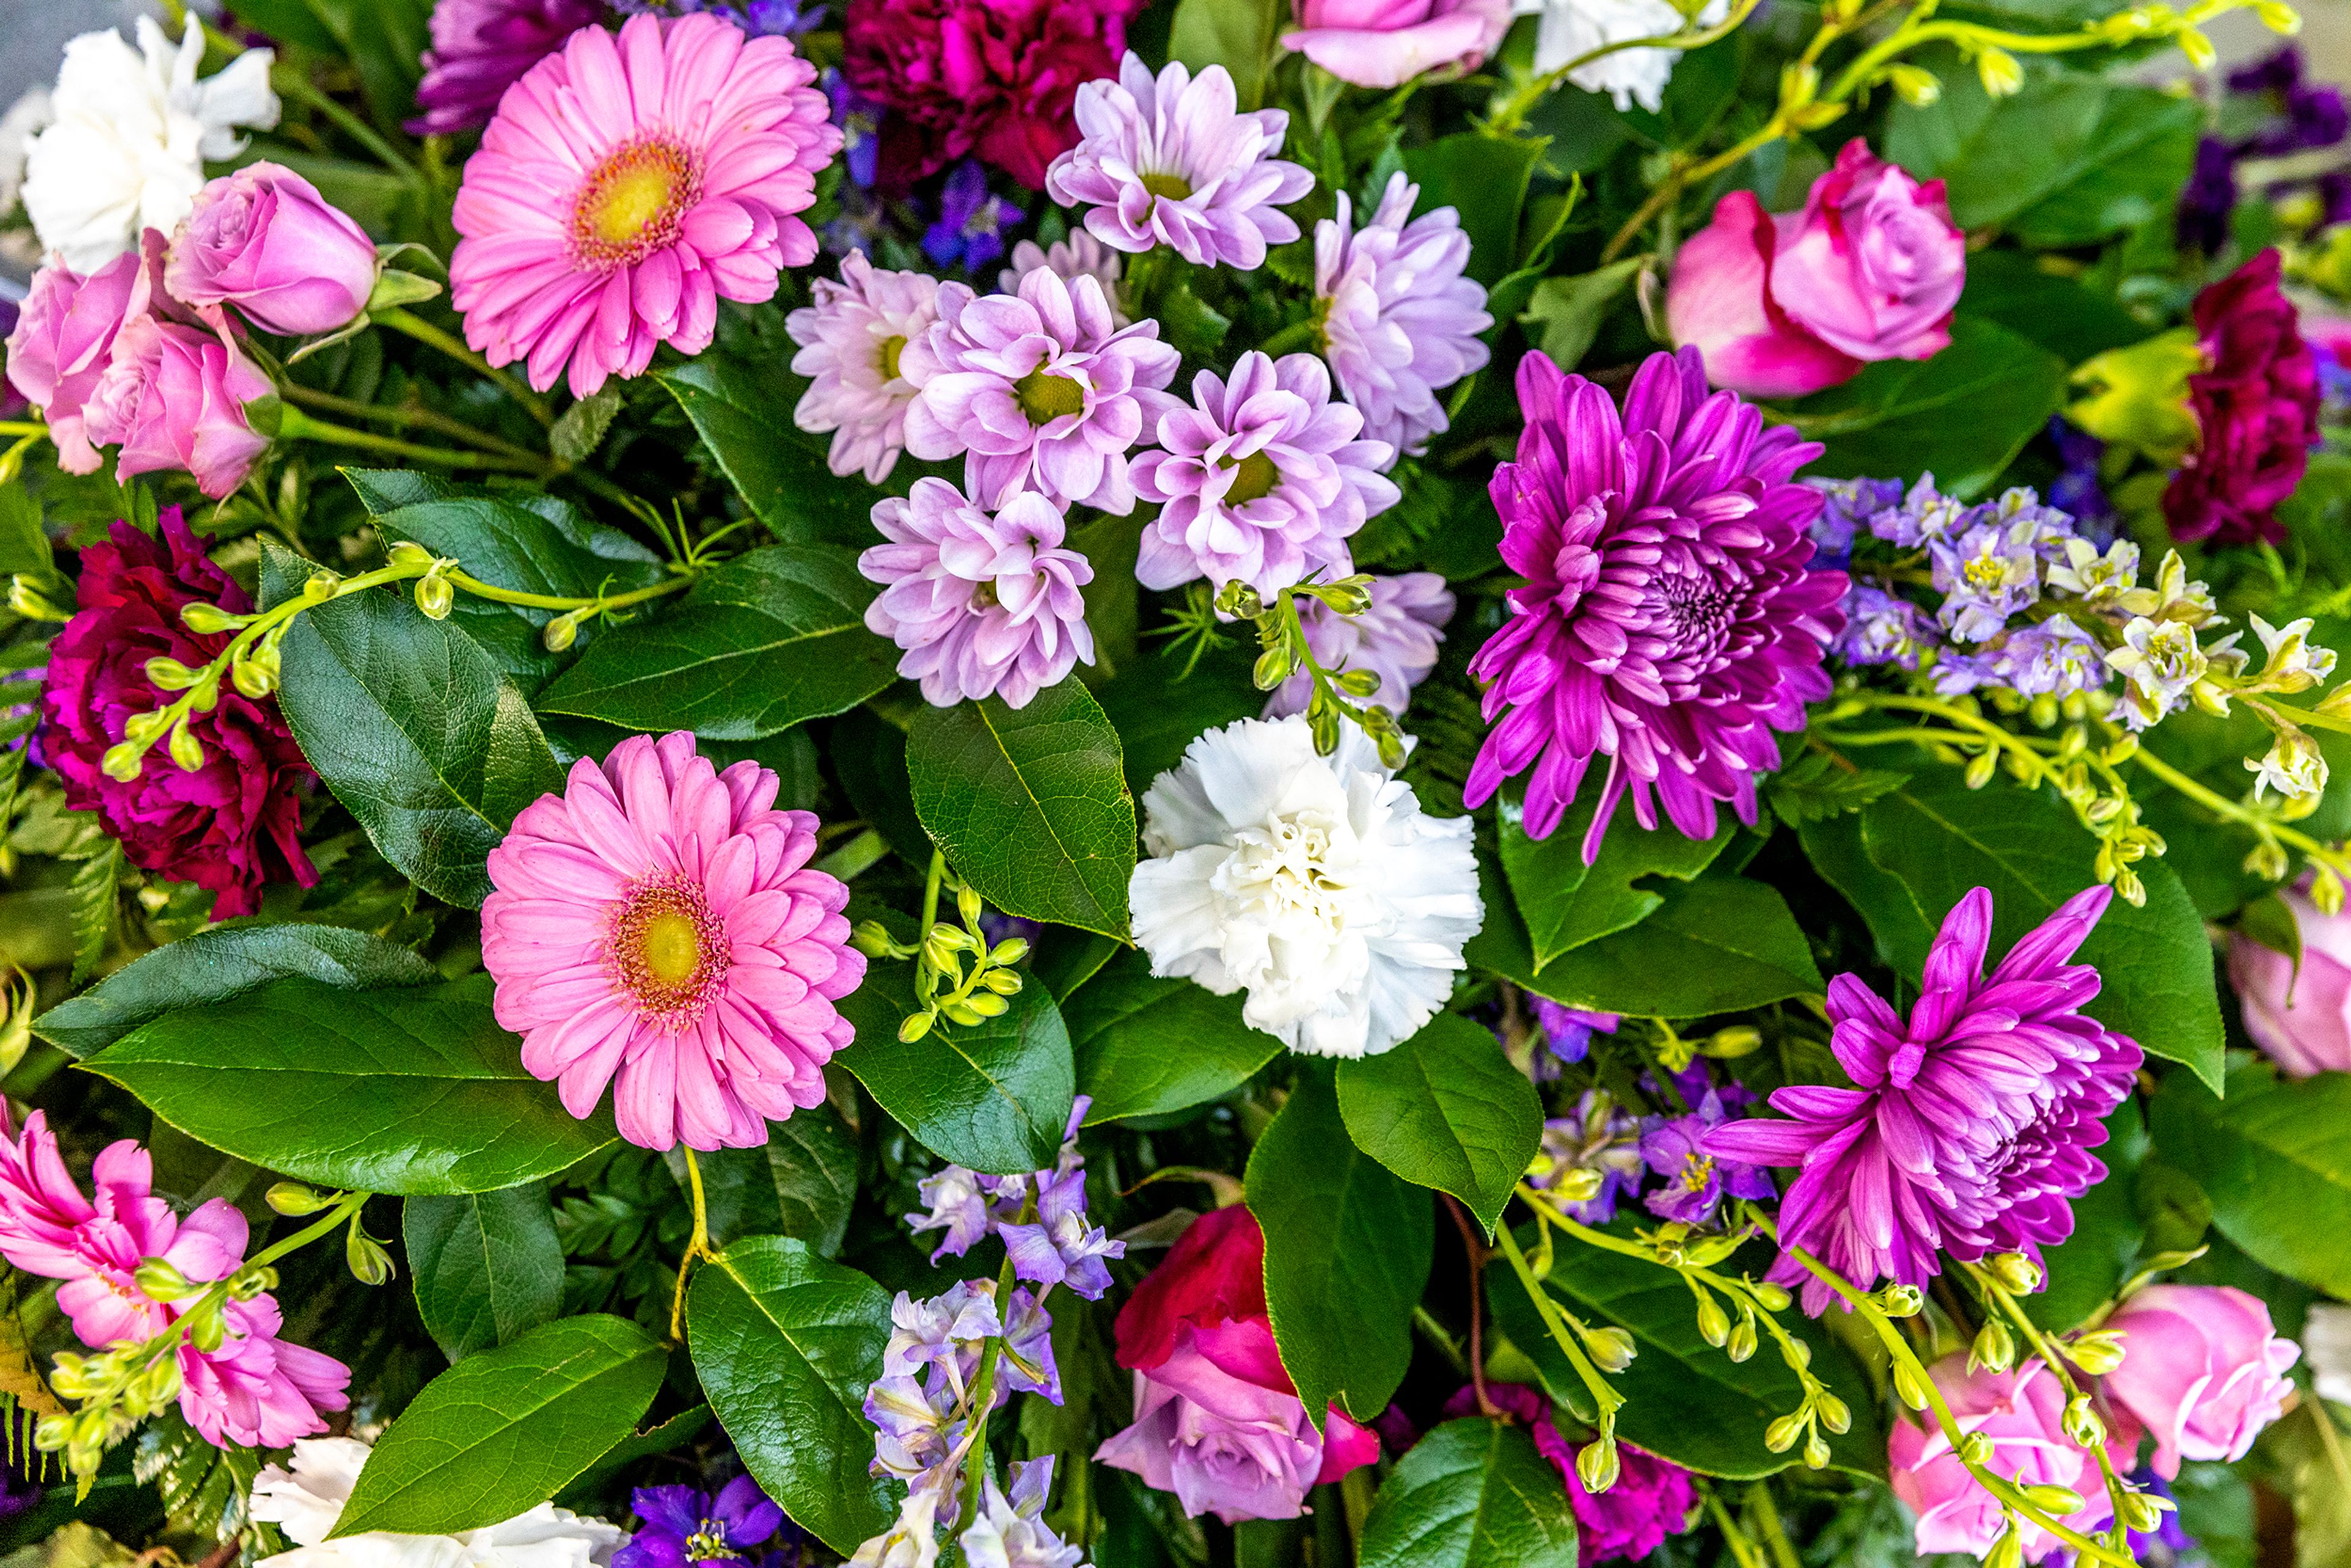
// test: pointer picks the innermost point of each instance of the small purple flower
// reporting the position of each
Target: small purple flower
(1693, 1083)
(1568, 1031)
(1027, 1361)
(1986, 575)
(1172, 162)
(911, 1433)
(972, 221)
(2309, 115)
(958, 1206)
(1059, 1248)
(1397, 638)
(1695, 1181)
(2054, 659)
(1851, 504)
(686, 1525)
(2209, 197)
(1596, 1136)
(1924, 517)
(1881, 628)
(940, 1337)
(859, 119)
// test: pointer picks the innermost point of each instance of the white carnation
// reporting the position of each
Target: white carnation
(1314, 883)
(306, 1501)
(1572, 27)
(131, 132)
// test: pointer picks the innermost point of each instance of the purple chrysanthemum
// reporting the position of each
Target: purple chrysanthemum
(850, 339)
(1040, 389)
(481, 47)
(1173, 163)
(1668, 622)
(1970, 1127)
(1397, 638)
(1262, 480)
(983, 606)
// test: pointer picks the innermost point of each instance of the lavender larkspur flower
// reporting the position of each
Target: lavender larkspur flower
(1059, 1248)
(1696, 1181)
(684, 1525)
(1848, 506)
(1397, 638)
(1262, 479)
(1668, 622)
(1039, 389)
(1596, 1136)
(852, 341)
(1568, 1031)
(969, 233)
(1027, 1361)
(1173, 162)
(1969, 1125)
(1400, 322)
(1881, 628)
(1925, 516)
(985, 606)
(1985, 575)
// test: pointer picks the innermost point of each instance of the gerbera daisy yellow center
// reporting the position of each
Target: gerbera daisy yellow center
(667, 950)
(633, 202)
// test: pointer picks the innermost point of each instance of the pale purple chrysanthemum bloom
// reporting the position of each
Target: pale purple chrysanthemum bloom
(1040, 389)
(985, 606)
(1696, 1181)
(1080, 255)
(1175, 162)
(1060, 1248)
(481, 47)
(1969, 1126)
(1262, 479)
(851, 342)
(1400, 322)
(1881, 628)
(1596, 1136)
(1397, 638)
(1985, 575)
(1668, 622)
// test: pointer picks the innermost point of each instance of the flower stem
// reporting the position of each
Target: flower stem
(401, 319)
(1604, 1398)
(429, 419)
(296, 84)
(697, 1246)
(1776, 1534)
(481, 590)
(295, 425)
(1474, 1248)
(1735, 1538)
(983, 1400)
(22, 427)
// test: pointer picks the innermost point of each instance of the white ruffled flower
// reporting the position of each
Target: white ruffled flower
(849, 342)
(306, 1501)
(1573, 27)
(2327, 1341)
(27, 115)
(1313, 882)
(132, 131)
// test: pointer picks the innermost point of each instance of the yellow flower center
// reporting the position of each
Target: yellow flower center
(890, 349)
(667, 952)
(633, 202)
(1254, 478)
(1172, 186)
(673, 952)
(1045, 398)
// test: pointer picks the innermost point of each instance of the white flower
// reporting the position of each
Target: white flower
(1314, 883)
(2327, 1341)
(25, 117)
(2293, 768)
(849, 342)
(1009, 1532)
(2161, 662)
(306, 1501)
(1080, 255)
(1572, 27)
(912, 1541)
(132, 131)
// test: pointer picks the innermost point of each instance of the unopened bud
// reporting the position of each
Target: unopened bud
(1901, 1301)
(1835, 1414)
(987, 1004)
(872, 938)
(1908, 1386)
(1239, 601)
(1918, 88)
(964, 1013)
(1360, 683)
(1272, 668)
(2143, 1512)
(407, 555)
(2082, 1424)
(123, 761)
(187, 749)
(435, 596)
(293, 1200)
(206, 620)
(1581, 1185)
(252, 677)
(1781, 1435)
(1003, 982)
(1612, 1349)
(1976, 1448)
(370, 1264)
(1995, 1347)
(560, 633)
(2095, 1354)
(916, 1027)
(2054, 1501)
(321, 586)
(1742, 1340)
(26, 600)
(2016, 1272)
(207, 1328)
(161, 1281)
(1348, 596)
(968, 905)
(1725, 1044)
(1979, 772)
(1596, 1466)
(1713, 1322)
(1774, 1298)
(1011, 950)
(1816, 1452)
(2001, 75)
(2008, 1551)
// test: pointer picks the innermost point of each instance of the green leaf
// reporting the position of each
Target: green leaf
(2062, 315)
(1474, 1493)
(1483, 178)
(414, 1091)
(1566, 904)
(504, 1430)
(1149, 1045)
(995, 1096)
(418, 735)
(383, 40)
(486, 1266)
(1029, 804)
(742, 408)
(93, 891)
(1158, 710)
(585, 1491)
(1347, 1252)
(1446, 1110)
(868, 755)
(784, 1343)
(2274, 1157)
(1563, 315)
(768, 639)
(1719, 944)
(1235, 34)
(1817, 786)
(1685, 1400)
(217, 964)
(812, 1161)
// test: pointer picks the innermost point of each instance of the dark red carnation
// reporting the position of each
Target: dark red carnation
(990, 78)
(234, 823)
(2257, 408)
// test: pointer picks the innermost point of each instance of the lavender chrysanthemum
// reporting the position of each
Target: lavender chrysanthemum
(481, 47)
(1262, 479)
(1969, 1126)
(1040, 389)
(1397, 639)
(1173, 162)
(983, 606)
(1080, 255)
(1668, 622)
(1400, 322)
(851, 342)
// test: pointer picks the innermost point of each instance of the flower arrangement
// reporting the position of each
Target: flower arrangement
(1033, 782)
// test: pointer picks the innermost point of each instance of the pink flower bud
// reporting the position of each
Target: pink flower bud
(59, 348)
(264, 240)
(174, 397)
(2303, 1021)
(1386, 43)
(2203, 1367)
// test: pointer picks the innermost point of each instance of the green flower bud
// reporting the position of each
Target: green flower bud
(872, 938)
(1816, 1452)
(1612, 1349)
(2095, 1354)
(1774, 1298)
(1003, 982)
(1835, 1414)
(560, 633)
(1908, 1386)
(987, 1004)
(1272, 668)
(435, 596)
(187, 749)
(1581, 1185)
(2001, 75)
(1901, 1301)
(964, 1013)
(1239, 601)
(1781, 1435)
(408, 555)
(1596, 1466)
(293, 1200)
(1918, 88)
(2053, 1500)
(2015, 1271)
(251, 677)
(1713, 1322)
(321, 586)
(968, 905)
(1976, 1448)
(161, 1281)
(2143, 1512)
(167, 674)
(123, 761)
(916, 1027)
(370, 1264)
(1011, 950)
(2081, 1423)
(1995, 1347)
(1742, 1343)
(2008, 1551)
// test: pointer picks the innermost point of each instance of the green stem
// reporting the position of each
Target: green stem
(697, 1247)
(1606, 1399)
(294, 84)
(983, 1392)
(401, 321)
(1992, 1290)
(481, 590)
(1513, 113)
(22, 427)
(429, 419)
(1297, 335)
(295, 425)
(1735, 1538)
(1776, 1534)
(2238, 811)
(1670, 189)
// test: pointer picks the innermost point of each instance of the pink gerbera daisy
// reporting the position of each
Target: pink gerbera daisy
(628, 182)
(658, 920)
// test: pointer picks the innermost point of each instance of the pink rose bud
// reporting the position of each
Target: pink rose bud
(1386, 43)
(2303, 1021)
(174, 397)
(2202, 1368)
(264, 240)
(1719, 303)
(59, 348)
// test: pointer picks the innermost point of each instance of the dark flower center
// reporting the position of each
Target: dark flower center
(1045, 398)
(1254, 478)
(1173, 187)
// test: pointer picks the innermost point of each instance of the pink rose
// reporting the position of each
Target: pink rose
(1784, 304)
(2202, 1368)
(174, 397)
(264, 240)
(1386, 43)
(58, 349)
(2303, 1022)
(2019, 1411)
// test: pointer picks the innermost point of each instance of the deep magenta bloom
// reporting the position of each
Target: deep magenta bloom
(1652, 1498)
(2256, 408)
(658, 920)
(481, 47)
(235, 823)
(1668, 622)
(1969, 1126)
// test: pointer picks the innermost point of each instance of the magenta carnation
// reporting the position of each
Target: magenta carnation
(233, 824)
(1668, 622)
(1652, 1498)
(983, 606)
(481, 47)
(1262, 480)
(629, 184)
(1969, 1126)
(2256, 412)
(658, 920)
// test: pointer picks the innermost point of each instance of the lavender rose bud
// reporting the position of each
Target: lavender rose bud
(174, 397)
(264, 240)
(2301, 1020)
(59, 348)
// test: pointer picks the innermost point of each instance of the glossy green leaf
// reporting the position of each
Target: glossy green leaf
(2063, 315)
(1474, 1493)
(1347, 1252)
(1235, 34)
(1029, 804)
(414, 1091)
(1446, 1110)
(217, 964)
(1159, 710)
(486, 1266)
(1718, 943)
(741, 404)
(1483, 179)
(784, 1344)
(1148, 1045)
(504, 1430)
(770, 639)
(417, 734)
(2274, 1157)
(993, 1096)
(812, 1162)
(1565, 904)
